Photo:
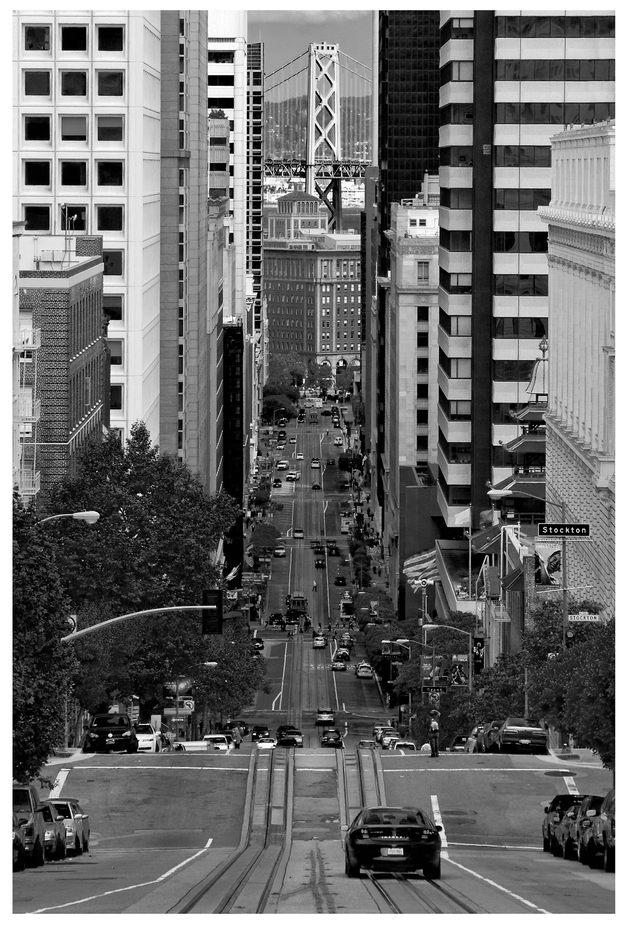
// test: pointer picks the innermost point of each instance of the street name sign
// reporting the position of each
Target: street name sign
(564, 531)
(583, 617)
(436, 689)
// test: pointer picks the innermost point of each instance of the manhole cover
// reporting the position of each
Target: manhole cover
(560, 774)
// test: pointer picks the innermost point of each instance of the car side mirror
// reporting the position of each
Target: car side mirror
(344, 828)
(591, 812)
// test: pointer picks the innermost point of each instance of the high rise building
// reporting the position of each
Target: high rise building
(509, 83)
(87, 114)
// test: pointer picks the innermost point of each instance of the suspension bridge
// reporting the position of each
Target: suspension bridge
(318, 114)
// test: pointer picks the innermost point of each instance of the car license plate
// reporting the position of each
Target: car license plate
(393, 852)
(110, 741)
(525, 741)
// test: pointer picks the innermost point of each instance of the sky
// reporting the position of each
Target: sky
(287, 33)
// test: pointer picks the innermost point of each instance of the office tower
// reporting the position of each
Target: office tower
(87, 114)
(184, 364)
(510, 83)
(407, 147)
(580, 450)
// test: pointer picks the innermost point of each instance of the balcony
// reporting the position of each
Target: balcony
(28, 409)
(29, 484)
(27, 339)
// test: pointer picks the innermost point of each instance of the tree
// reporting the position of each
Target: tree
(41, 662)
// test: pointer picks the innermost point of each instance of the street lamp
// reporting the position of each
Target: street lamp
(405, 644)
(496, 494)
(90, 517)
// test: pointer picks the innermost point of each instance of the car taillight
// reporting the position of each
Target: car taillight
(556, 817)
(365, 833)
(93, 735)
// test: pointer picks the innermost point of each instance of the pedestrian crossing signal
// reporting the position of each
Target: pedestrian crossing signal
(213, 615)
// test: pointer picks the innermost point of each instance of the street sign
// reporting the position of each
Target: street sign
(172, 711)
(583, 617)
(564, 531)
(437, 689)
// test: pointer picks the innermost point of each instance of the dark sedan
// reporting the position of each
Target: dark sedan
(574, 824)
(519, 734)
(393, 839)
(320, 563)
(485, 737)
(111, 732)
(332, 738)
(259, 731)
(340, 581)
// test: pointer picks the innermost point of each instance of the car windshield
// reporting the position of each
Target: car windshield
(21, 802)
(63, 810)
(145, 728)
(111, 719)
(519, 721)
(47, 814)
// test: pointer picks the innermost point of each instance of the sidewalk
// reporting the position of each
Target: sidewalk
(584, 755)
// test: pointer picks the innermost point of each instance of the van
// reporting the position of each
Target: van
(345, 524)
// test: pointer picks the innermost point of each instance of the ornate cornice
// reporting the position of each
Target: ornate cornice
(598, 221)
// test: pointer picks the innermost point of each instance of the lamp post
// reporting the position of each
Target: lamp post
(90, 517)
(456, 629)
(496, 494)
(405, 644)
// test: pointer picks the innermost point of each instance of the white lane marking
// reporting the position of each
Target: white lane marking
(470, 844)
(125, 889)
(497, 886)
(437, 818)
(279, 696)
(433, 770)
(155, 767)
(571, 786)
(58, 783)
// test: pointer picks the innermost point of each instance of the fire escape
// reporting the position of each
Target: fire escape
(27, 410)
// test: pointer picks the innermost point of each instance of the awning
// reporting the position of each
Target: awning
(487, 542)
(513, 581)
(527, 443)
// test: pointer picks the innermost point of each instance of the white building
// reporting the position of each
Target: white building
(581, 406)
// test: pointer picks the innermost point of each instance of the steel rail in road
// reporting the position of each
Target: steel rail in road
(244, 882)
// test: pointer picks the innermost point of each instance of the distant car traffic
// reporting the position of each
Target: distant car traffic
(76, 821)
(217, 742)
(343, 654)
(403, 745)
(320, 563)
(258, 732)
(458, 744)
(300, 455)
(280, 551)
(258, 643)
(367, 743)
(332, 738)
(315, 486)
(388, 737)
(340, 581)
(265, 742)
(393, 839)
(277, 483)
(299, 533)
(338, 665)
(364, 670)
(325, 717)
(148, 739)
(319, 642)
(338, 441)
(286, 732)
(315, 463)
(275, 619)
(292, 476)
(283, 464)
(292, 440)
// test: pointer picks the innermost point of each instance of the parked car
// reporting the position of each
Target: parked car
(258, 643)
(28, 808)
(603, 847)
(485, 738)
(325, 717)
(459, 744)
(392, 839)
(577, 821)
(364, 670)
(19, 846)
(148, 739)
(111, 732)
(259, 732)
(76, 821)
(519, 734)
(332, 738)
(280, 551)
(553, 816)
(54, 835)
(403, 745)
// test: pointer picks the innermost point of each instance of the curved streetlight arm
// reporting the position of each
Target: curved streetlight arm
(433, 626)
(138, 613)
(90, 517)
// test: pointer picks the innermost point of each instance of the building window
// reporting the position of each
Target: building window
(422, 391)
(110, 38)
(73, 173)
(73, 38)
(73, 128)
(422, 416)
(110, 173)
(459, 411)
(422, 313)
(37, 38)
(37, 128)
(422, 366)
(422, 271)
(110, 83)
(109, 218)
(422, 339)
(110, 128)
(116, 397)
(112, 307)
(113, 262)
(74, 83)
(73, 218)
(37, 83)
(37, 218)
(116, 351)
(37, 173)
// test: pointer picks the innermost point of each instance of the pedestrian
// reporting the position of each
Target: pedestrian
(434, 734)
(315, 586)
(237, 737)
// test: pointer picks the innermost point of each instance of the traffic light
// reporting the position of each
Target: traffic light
(478, 651)
(570, 638)
(212, 617)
